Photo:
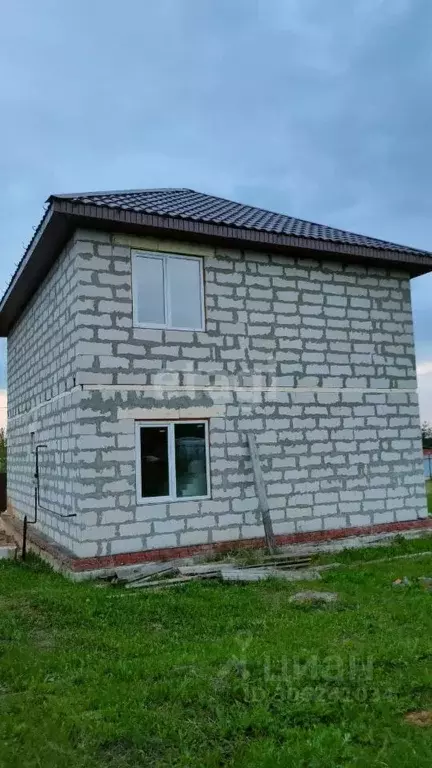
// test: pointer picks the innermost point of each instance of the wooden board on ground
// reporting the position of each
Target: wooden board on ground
(287, 556)
(161, 583)
(283, 564)
(149, 571)
(195, 570)
(261, 574)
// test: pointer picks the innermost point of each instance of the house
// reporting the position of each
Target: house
(150, 331)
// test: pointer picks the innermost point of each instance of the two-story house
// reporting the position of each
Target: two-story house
(149, 332)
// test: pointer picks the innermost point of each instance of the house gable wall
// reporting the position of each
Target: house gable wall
(316, 359)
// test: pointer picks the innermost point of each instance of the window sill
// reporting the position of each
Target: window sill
(156, 327)
(171, 500)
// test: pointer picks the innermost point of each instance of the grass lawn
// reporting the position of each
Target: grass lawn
(212, 675)
(429, 495)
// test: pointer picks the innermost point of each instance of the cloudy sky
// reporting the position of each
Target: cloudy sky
(317, 108)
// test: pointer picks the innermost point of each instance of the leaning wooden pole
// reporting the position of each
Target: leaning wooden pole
(261, 493)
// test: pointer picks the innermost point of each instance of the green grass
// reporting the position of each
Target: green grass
(429, 495)
(398, 546)
(210, 675)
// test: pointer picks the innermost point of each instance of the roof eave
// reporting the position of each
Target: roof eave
(50, 237)
(63, 217)
(415, 263)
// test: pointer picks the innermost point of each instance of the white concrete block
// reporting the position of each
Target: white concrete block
(118, 546)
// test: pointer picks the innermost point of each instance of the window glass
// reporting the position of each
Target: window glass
(154, 462)
(184, 277)
(149, 290)
(190, 460)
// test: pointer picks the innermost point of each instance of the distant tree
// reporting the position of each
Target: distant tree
(2, 450)
(427, 435)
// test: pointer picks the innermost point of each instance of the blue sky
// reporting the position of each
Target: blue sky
(317, 109)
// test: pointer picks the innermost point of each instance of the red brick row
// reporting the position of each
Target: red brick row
(171, 553)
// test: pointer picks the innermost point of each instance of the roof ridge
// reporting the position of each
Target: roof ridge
(103, 193)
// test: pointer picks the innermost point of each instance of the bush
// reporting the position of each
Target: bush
(427, 435)
(2, 450)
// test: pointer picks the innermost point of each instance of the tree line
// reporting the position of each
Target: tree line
(427, 434)
(2, 450)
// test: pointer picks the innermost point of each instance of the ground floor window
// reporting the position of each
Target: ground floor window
(172, 461)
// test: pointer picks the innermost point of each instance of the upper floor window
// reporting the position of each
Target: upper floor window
(167, 291)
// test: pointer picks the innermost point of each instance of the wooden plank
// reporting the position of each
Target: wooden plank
(287, 556)
(262, 574)
(287, 559)
(261, 493)
(199, 569)
(170, 582)
(148, 571)
(279, 564)
(246, 574)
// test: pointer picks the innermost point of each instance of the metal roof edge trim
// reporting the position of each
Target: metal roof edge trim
(223, 231)
(27, 255)
(74, 215)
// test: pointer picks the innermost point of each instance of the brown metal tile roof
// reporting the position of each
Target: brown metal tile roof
(185, 214)
(200, 207)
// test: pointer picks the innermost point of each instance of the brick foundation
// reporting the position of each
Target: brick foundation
(61, 559)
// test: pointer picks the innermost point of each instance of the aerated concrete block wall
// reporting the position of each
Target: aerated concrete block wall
(42, 399)
(317, 359)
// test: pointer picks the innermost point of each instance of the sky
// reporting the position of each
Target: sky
(316, 108)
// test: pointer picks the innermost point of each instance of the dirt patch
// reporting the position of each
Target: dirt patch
(5, 540)
(422, 718)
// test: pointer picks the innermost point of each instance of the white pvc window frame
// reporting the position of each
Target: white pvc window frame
(172, 497)
(167, 290)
